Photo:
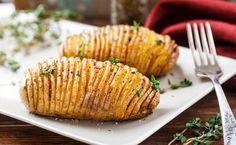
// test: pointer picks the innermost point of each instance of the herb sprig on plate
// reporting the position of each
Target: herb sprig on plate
(39, 29)
(182, 84)
(7, 62)
(201, 134)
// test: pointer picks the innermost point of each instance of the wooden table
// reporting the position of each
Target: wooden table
(14, 132)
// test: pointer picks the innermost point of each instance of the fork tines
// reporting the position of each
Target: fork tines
(202, 46)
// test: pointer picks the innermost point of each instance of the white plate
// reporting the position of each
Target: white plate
(130, 132)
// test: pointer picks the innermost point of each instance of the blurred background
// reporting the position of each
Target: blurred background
(97, 12)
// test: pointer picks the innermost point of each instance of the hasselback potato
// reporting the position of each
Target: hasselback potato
(87, 89)
(139, 47)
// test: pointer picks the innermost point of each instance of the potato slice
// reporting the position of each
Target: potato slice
(74, 93)
(65, 74)
(82, 89)
(91, 76)
(52, 88)
(68, 90)
(30, 90)
(58, 86)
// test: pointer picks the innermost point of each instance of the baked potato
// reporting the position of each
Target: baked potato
(139, 47)
(87, 89)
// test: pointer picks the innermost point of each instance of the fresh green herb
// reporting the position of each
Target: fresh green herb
(159, 42)
(11, 63)
(14, 65)
(37, 31)
(55, 35)
(162, 90)
(1, 33)
(15, 14)
(196, 122)
(48, 72)
(201, 134)
(155, 83)
(185, 83)
(138, 93)
(180, 137)
(113, 60)
(40, 11)
(66, 14)
(182, 84)
(3, 57)
(45, 22)
(136, 25)
(81, 54)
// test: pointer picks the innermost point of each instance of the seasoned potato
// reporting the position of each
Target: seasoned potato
(139, 47)
(88, 89)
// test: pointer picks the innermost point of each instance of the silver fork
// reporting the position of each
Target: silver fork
(207, 66)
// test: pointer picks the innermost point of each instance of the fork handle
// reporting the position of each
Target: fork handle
(227, 116)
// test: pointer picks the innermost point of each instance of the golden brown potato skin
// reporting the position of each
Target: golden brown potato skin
(149, 52)
(88, 89)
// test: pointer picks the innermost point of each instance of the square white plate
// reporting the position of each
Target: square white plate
(123, 133)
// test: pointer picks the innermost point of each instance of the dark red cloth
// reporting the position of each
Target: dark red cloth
(170, 17)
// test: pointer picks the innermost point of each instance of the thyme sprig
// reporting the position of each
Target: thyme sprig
(202, 134)
(43, 26)
(182, 84)
(39, 29)
(8, 62)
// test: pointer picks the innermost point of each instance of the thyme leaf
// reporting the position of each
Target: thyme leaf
(113, 60)
(136, 25)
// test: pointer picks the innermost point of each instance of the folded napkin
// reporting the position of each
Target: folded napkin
(170, 17)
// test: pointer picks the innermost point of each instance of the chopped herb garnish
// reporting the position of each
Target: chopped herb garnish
(138, 93)
(113, 60)
(3, 57)
(184, 83)
(48, 72)
(55, 35)
(159, 42)
(14, 65)
(81, 54)
(136, 25)
(1, 34)
(155, 83)
(201, 134)
(162, 90)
